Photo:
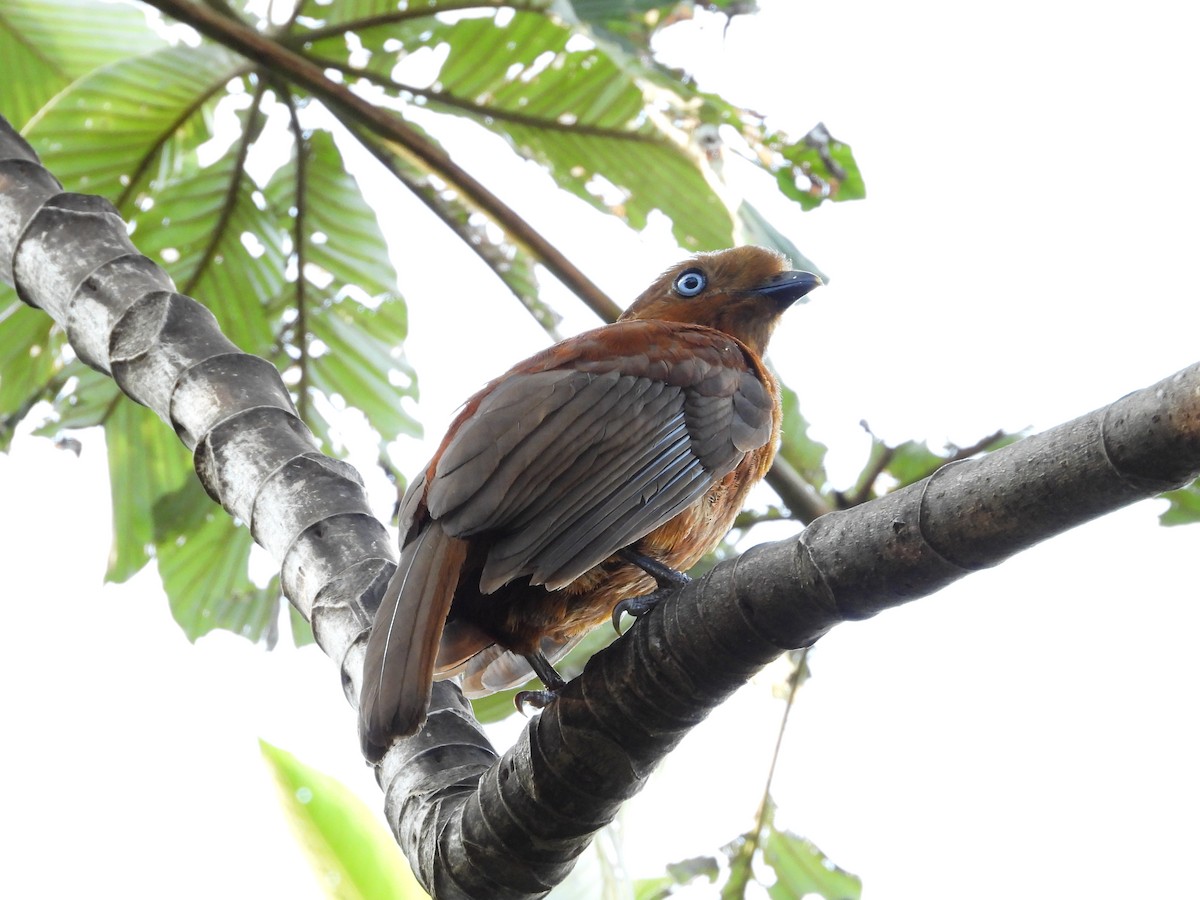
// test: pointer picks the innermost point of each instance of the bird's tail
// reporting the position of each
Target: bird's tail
(403, 646)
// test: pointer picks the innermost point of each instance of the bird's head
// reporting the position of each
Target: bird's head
(741, 292)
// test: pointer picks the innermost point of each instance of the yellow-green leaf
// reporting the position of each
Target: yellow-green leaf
(351, 853)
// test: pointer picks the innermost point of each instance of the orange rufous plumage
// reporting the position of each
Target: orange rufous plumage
(644, 435)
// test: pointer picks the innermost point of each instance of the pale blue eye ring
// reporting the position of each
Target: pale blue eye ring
(690, 283)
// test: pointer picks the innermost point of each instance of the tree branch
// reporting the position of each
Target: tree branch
(475, 825)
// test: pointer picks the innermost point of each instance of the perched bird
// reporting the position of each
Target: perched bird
(587, 475)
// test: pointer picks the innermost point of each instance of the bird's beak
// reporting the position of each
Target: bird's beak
(788, 287)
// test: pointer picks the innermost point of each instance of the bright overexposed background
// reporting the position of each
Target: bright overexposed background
(1027, 252)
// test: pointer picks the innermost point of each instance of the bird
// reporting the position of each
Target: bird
(586, 477)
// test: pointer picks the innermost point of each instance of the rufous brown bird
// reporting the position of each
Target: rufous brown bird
(584, 476)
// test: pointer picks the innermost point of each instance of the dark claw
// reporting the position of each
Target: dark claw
(639, 606)
(536, 699)
(550, 678)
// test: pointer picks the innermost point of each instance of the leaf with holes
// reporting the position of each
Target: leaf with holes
(107, 134)
(48, 44)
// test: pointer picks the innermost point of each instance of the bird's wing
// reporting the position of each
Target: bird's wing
(566, 463)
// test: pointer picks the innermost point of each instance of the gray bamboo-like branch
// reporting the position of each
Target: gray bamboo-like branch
(475, 824)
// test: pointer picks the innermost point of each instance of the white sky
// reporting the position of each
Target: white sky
(1025, 255)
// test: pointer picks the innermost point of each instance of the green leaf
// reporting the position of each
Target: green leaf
(912, 461)
(108, 133)
(209, 228)
(302, 633)
(206, 226)
(619, 13)
(1184, 508)
(47, 44)
(356, 15)
(806, 455)
(609, 123)
(688, 870)
(644, 177)
(145, 463)
(801, 870)
(341, 231)
(572, 108)
(350, 852)
(181, 511)
(654, 888)
(497, 707)
(28, 358)
(344, 287)
(580, 114)
(204, 572)
(362, 363)
(817, 168)
(741, 867)
(679, 873)
(85, 401)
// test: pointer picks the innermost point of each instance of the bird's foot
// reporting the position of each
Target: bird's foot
(549, 677)
(669, 581)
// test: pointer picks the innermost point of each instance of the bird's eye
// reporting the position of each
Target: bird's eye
(690, 283)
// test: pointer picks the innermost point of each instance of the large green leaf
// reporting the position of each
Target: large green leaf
(631, 179)
(146, 462)
(605, 119)
(566, 104)
(341, 230)
(111, 131)
(344, 285)
(48, 44)
(28, 359)
(352, 855)
(576, 111)
(812, 170)
(204, 573)
(210, 229)
(351, 15)
(362, 364)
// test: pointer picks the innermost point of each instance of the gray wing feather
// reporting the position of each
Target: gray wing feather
(633, 497)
